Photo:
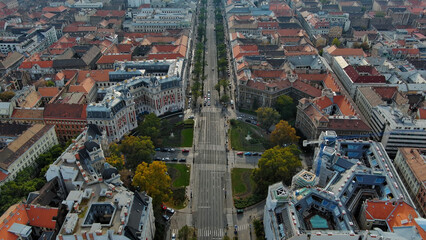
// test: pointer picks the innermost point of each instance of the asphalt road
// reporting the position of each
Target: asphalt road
(210, 165)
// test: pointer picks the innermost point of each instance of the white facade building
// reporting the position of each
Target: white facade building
(158, 20)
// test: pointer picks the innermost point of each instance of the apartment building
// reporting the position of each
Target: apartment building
(410, 163)
(158, 20)
(20, 152)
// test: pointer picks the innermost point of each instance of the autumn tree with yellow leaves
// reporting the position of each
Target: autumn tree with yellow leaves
(284, 134)
(154, 180)
(116, 161)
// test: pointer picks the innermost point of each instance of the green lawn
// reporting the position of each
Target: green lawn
(187, 135)
(241, 181)
(243, 188)
(179, 173)
(239, 132)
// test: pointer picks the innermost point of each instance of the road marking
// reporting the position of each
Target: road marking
(204, 207)
(207, 232)
(242, 227)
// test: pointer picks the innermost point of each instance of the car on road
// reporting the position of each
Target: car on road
(173, 236)
(170, 210)
(248, 154)
(185, 150)
(208, 103)
(157, 149)
(167, 218)
(240, 153)
(172, 150)
(182, 160)
(239, 210)
(174, 159)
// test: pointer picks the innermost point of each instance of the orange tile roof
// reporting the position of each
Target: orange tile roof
(269, 73)
(105, 59)
(344, 105)
(96, 75)
(49, 15)
(348, 52)
(30, 64)
(395, 214)
(244, 50)
(85, 86)
(15, 214)
(42, 216)
(48, 91)
(330, 82)
(323, 102)
(163, 48)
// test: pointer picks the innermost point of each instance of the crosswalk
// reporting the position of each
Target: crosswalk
(214, 232)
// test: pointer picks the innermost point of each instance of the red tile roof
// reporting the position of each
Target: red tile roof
(110, 13)
(3, 175)
(289, 32)
(55, 9)
(42, 216)
(49, 15)
(65, 111)
(244, 50)
(323, 102)
(421, 113)
(269, 73)
(112, 58)
(386, 93)
(67, 74)
(41, 64)
(160, 56)
(48, 91)
(27, 114)
(344, 105)
(406, 51)
(357, 78)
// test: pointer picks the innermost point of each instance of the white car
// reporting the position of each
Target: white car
(170, 210)
(173, 236)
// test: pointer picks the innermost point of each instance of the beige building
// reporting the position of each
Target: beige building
(411, 166)
(21, 152)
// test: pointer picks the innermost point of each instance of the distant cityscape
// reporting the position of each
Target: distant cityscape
(210, 119)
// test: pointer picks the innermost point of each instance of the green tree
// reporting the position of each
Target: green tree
(276, 164)
(50, 83)
(258, 229)
(267, 116)
(224, 99)
(187, 233)
(136, 150)
(284, 134)
(286, 107)
(217, 88)
(154, 180)
(6, 96)
(336, 42)
(150, 126)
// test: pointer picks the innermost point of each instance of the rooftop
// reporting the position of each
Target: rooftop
(416, 160)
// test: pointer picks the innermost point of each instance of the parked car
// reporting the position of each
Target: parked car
(173, 236)
(164, 149)
(182, 160)
(174, 159)
(172, 150)
(167, 218)
(239, 210)
(157, 159)
(191, 117)
(170, 210)
(167, 159)
(240, 153)
(185, 150)
(248, 154)
(255, 154)
(158, 149)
